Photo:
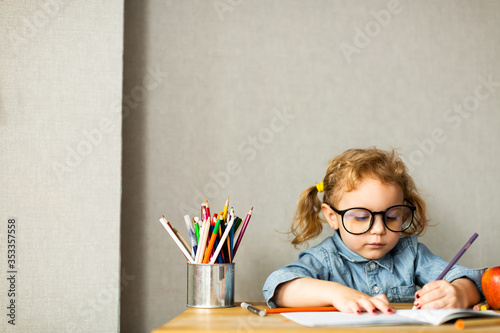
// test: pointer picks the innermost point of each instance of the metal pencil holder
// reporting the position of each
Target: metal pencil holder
(210, 285)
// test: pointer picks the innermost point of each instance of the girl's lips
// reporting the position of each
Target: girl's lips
(376, 245)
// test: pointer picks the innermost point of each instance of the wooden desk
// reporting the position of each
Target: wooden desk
(237, 319)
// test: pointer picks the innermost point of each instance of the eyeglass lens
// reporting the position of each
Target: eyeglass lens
(359, 220)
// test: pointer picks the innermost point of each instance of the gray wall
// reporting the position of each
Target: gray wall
(60, 164)
(417, 80)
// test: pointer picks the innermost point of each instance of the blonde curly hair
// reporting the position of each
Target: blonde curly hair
(343, 174)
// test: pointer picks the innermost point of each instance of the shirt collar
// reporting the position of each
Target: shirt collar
(386, 261)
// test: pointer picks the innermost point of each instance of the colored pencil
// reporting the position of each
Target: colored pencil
(230, 238)
(231, 243)
(459, 254)
(242, 232)
(223, 252)
(203, 211)
(179, 236)
(253, 309)
(216, 244)
(229, 249)
(183, 241)
(485, 307)
(222, 240)
(467, 323)
(262, 313)
(210, 246)
(226, 206)
(197, 231)
(214, 238)
(202, 244)
(206, 237)
(305, 309)
(207, 208)
(196, 259)
(237, 224)
(481, 306)
(171, 232)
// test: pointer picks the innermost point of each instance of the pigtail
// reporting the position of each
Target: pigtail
(307, 224)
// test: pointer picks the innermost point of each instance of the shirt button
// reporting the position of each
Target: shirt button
(372, 265)
(376, 289)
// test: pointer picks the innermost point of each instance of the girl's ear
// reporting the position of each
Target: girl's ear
(331, 216)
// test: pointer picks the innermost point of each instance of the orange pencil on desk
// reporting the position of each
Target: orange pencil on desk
(460, 324)
(262, 313)
(306, 309)
(210, 246)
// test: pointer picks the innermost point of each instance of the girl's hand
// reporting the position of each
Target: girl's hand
(461, 293)
(304, 292)
(351, 300)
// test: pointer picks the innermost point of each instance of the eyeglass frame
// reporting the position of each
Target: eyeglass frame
(373, 214)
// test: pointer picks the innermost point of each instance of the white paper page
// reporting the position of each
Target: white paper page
(433, 317)
(313, 319)
(429, 317)
(439, 316)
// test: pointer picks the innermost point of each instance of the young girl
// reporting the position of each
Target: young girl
(373, 257)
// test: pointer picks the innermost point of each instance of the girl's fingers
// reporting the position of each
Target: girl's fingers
(382, 303)
(431, 297)
(367, 305)
(370, 305)
(353, 306)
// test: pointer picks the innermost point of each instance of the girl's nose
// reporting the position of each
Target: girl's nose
(378, 226)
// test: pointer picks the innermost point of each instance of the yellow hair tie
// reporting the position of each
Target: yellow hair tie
(319, 186)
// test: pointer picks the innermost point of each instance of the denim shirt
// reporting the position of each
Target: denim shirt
(397, 274)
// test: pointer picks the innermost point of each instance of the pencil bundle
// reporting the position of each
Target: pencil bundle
(213, 238)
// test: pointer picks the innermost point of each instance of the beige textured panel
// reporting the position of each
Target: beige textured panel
(60, 163)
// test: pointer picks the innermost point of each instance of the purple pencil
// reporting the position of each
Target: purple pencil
(243, 228)
(459, 254)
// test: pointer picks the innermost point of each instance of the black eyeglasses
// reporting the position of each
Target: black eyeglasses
(357, 220)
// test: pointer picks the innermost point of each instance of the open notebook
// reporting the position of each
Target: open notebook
(401, 317)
